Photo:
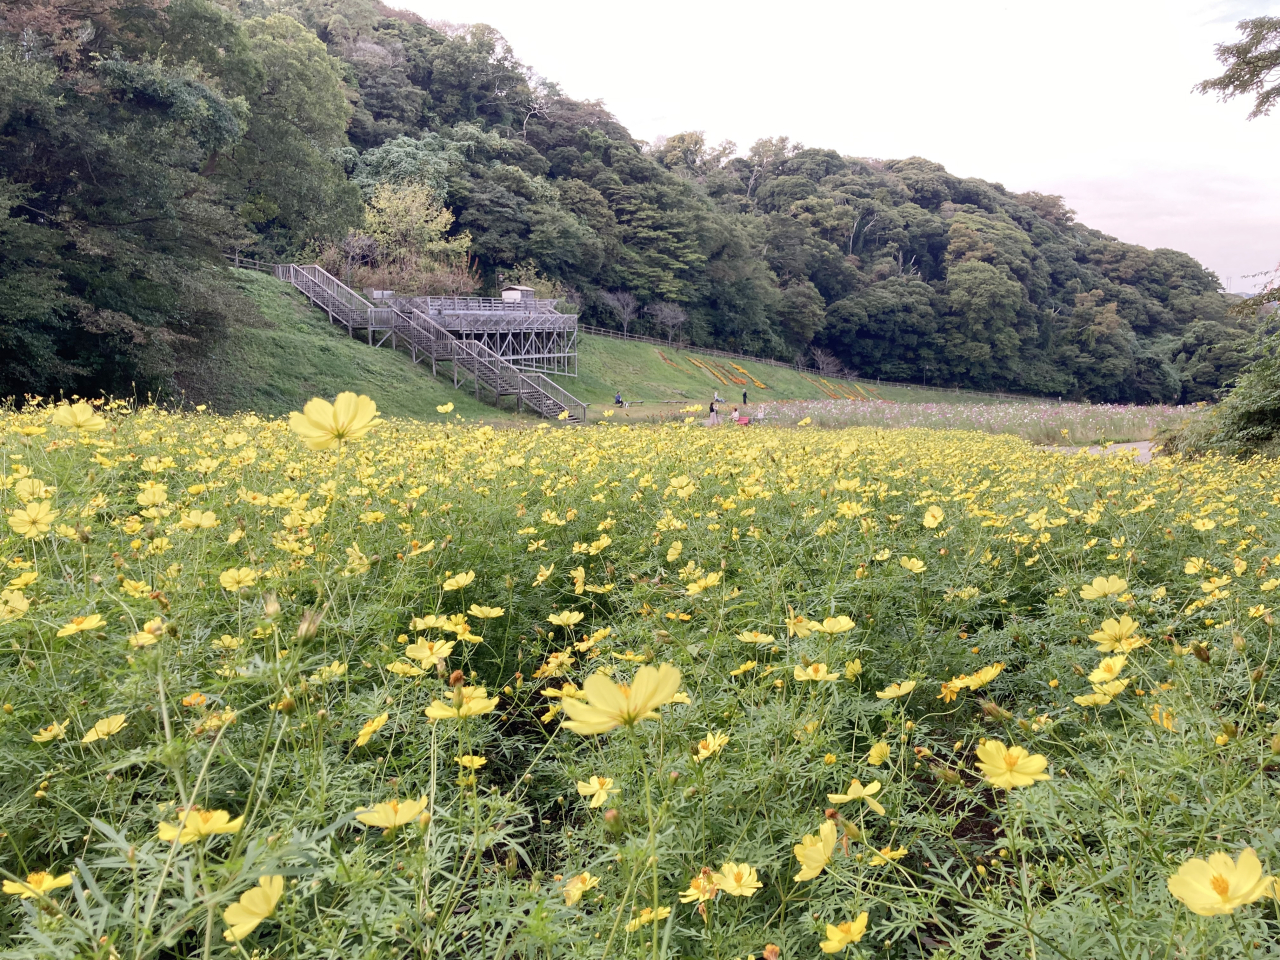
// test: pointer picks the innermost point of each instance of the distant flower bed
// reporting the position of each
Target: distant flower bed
(1039, 422)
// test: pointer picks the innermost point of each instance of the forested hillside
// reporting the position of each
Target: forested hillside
(139, 139)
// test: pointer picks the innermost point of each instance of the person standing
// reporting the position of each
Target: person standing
(714, 419)
(744, 398)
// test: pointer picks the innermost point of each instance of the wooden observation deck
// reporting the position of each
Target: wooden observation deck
(525, 332)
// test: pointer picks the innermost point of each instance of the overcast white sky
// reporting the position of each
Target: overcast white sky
(1087, 98)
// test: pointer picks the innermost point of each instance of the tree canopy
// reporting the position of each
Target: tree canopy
(139, 139)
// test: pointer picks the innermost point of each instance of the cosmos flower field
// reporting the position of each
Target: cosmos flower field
(1037, 421)
(336, 686)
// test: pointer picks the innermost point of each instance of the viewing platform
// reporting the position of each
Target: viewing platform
(528, 333)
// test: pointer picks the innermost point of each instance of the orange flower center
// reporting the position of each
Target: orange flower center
(1010, 761)
(1221, 885)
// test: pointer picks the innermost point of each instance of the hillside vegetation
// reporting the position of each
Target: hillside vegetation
(139, 139)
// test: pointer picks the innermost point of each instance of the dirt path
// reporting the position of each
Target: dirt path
(1142, 448)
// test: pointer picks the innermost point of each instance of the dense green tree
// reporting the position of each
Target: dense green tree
(1252, 63)
(139, 138)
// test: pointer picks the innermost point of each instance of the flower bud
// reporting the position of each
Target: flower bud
(457, 678)
(995, 711)
(947, 775)
(270, 606)
(309, 624)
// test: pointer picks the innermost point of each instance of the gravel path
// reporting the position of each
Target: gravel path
(1142, 450)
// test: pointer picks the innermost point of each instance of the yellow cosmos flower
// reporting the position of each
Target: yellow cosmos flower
(196, 824)
(458, 581)
(34, 520)
(465, 702)
(568, 690)
(737, 879)
(674, 551)
(844, 935)
(430, 652)
(106, 727)
(198, 520)
(371, 727)
(1103, 587)
(814, 852)
(647, 916)
(237, 579)
(878, 754)
(895, 690)
(981, 678)
(598, 789)
(857, 791)
(932, 517)
(1010, 767)
(322, 424)
(78, 416)
(1220, 884)
(743, 668)
(1119, 634)
(755, 636)
(470, 761)
(254, 906)
(609, 704)
(37, 884)
(1108, 669)
(912, 565)
(815, 671)
(12, 605)
(405, 669)
(888, 854)
(485, 613)
(54, 731)
(566, 618)
(833, 625)
(710, 746)
(1092, 700)
(392, 813)
(153, 494)
(78, 624)
(701, 888)
(444, 408)
(577, 886)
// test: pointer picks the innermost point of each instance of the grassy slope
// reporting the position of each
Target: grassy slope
(290, 352)
(294, 353)
(638, 370)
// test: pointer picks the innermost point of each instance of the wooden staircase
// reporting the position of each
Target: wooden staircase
(423, 339)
